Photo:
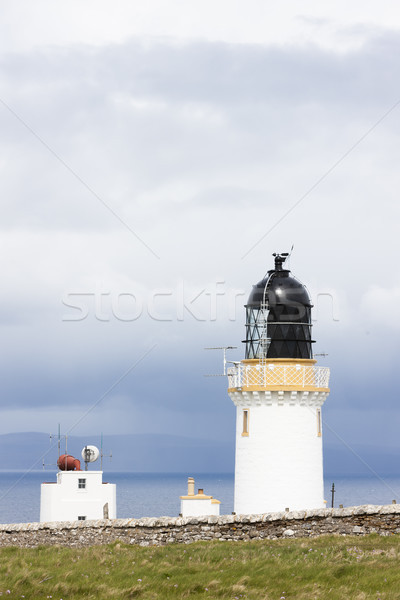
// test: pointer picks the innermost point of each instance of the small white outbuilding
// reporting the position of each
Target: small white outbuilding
(198, 505)
(77, 495)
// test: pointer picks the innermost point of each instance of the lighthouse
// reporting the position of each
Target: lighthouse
(278, 391)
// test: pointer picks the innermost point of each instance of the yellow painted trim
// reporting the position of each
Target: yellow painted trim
(286, 388)
(319, 434)
(196, 497)
(245, 434)
(213, 501)
(280, 361)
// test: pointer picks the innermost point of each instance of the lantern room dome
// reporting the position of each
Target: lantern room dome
(279, 285)
(278, 316)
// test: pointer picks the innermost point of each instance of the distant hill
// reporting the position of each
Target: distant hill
(151, 453)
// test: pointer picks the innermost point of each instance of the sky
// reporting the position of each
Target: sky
(152, 158)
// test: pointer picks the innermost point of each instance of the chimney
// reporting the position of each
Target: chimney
(190, 486)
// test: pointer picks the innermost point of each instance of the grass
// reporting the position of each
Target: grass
(332, 568)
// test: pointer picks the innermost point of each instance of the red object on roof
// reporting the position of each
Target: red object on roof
(66, 462)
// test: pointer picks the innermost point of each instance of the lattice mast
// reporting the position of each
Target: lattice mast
(262, 319)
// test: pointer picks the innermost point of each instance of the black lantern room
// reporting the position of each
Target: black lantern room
(278, 316)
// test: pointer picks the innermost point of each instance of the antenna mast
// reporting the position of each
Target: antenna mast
(224, 348)
(102, 453)
(59, 438)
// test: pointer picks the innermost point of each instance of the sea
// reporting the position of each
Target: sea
(157, 494)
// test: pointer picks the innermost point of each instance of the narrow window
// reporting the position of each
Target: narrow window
(81, 484)
(319, 428)
(81, 518)
(245, 422)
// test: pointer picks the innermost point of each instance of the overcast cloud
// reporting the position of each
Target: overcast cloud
(197, 134)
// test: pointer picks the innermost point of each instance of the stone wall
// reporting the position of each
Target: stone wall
(358, 520)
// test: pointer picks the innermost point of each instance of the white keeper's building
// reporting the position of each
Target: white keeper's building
(77, 496)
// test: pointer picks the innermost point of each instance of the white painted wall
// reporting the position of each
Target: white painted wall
(198, 507)
(279, 464)
(64, 501)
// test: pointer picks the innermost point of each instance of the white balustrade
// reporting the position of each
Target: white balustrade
(271, 374)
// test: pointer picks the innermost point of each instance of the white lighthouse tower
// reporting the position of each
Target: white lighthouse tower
(278, 391)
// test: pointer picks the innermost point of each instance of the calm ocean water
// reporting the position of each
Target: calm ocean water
(154, 495)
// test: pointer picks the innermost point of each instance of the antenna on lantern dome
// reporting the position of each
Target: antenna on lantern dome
(280, 259)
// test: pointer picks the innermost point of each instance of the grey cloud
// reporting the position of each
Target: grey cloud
(134, 118)
(173, 137)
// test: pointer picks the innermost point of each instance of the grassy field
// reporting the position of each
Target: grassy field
(333, 568)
